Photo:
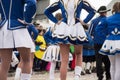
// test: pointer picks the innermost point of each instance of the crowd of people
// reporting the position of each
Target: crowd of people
(70, 42)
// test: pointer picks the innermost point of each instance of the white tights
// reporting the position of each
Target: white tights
(115, 66)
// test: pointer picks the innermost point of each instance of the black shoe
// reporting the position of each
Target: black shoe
(37, 69)
(94, 70)
(100, 78)
(83, 73)
(88, 71)
(108, 79)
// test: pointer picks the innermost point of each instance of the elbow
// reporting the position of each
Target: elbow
(92, 13)
(46, 12)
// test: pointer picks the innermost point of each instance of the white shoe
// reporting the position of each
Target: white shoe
(77, 77)
(52, 79)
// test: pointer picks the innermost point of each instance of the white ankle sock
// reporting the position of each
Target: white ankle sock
(78, 70)
(17, 74)
(25, 76)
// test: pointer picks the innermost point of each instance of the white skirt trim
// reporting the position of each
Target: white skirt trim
(74, 32)
(111, 46)
(52, 53)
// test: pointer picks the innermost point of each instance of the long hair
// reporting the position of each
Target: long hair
(116, 7)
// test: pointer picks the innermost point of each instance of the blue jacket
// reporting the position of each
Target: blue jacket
(60, 5)
(11, 10)
(32, 31)
(93, 26)
(108, 25)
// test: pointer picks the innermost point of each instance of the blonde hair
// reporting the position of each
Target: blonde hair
(116, 7)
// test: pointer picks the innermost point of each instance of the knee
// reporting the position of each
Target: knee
(26, 60)
(78, 54)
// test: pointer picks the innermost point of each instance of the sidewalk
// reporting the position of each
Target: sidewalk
(45, 76)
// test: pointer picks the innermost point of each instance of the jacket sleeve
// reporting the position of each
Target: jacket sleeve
(91, 28)
(86, 6)
(30, 10)
(35, 32)
(49, 11)
(101, 29)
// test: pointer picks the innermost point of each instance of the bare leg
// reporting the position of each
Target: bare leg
(64, 51)
(6, 57)
(78, 53)
(25, 57)
(31, 60)
(78, 65)
(18, 70)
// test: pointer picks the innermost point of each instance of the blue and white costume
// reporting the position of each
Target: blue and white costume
(70, 30)
(88, 49)
(111, 28)
(12, 32)
(52, 53)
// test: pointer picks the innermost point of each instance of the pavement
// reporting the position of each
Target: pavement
(45, 76)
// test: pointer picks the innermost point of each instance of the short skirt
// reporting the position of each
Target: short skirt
(52, 53)
(32, 48)
(111, 45)
(68, 34)
(15, 38)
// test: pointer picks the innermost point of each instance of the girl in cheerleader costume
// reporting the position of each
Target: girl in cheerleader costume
(69, 30)
(33, 33)
(111, 47)
(52, 53)
(14, 34)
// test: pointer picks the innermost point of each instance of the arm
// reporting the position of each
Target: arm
(86, 6)
(30, 10)
(35, 32)
(49, 10)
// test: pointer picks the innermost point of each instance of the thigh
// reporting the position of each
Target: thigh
(24, 53)
(64, 52)
(5, 56)
(78, 49)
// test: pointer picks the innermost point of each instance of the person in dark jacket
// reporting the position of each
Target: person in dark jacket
(98, 42)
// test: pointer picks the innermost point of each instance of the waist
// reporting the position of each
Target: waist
(12, 24)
